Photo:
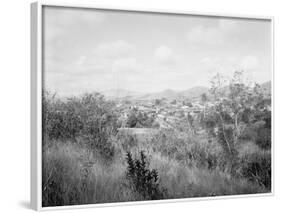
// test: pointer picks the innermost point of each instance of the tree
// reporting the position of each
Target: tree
(132, 119)
(235, 101)
(187, 103)
(139, 119)
(190, 121)
(204, 99)
(143, 180)
(174, 102)
(157, 101)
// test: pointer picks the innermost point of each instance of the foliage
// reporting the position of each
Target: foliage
(157, 101)
(127, 141)
(139, 119)
(223, 150)
(236, 104)
(191, 150)
(59, 120)
(144, 180)
(257, 168)
(264, 138)
(88, 116)
(187, 103)
(174, 102)
(204, 98)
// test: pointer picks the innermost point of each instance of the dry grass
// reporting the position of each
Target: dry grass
(183, 181)
(72, 175)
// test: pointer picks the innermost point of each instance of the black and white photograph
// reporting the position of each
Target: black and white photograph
(144, 106)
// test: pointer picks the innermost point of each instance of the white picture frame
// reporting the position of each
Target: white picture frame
(36, 100)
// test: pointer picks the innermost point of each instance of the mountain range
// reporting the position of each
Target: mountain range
(167, 94)
(192, 93)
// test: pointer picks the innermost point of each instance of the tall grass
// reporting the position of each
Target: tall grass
(72, 175)
(183, 181)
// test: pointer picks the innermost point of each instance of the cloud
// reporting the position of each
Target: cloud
(213, 65)
(114, 49)
(59, 22)
(105, 59)
(211, 35)
(249, 62)
(200, 34)
(163, 53)
(228, 65)
(125, 65)
(81, 60)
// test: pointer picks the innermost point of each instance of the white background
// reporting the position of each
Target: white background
(15, 107)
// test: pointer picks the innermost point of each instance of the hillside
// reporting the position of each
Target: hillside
(195, 92)
(169, 94)
(266, 87)
(120, 93)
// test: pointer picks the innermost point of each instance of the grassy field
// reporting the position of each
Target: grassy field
(74, 175)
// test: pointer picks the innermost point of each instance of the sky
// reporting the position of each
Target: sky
(86, 50)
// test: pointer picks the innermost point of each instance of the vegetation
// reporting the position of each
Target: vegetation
(140, 119)
(144, 181)
(222, 150)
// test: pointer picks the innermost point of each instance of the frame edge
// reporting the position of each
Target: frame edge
(34, 164)
(36, 159)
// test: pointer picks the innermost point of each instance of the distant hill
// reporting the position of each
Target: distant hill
(168, 94)
(195, 92)
(192, 93)
(266, 87)
(120, 93)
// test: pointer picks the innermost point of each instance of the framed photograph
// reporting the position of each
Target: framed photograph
(133, 106)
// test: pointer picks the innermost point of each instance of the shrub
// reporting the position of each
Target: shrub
(256, 167)
(263, 139)
(144, 181)
(260, 132)
(139, 119)
(249, 133)
(60, 119)
(89, 116)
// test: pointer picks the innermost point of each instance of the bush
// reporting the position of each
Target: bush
(144, 181)
(59, 120)
(263, 139)
(139, 119)
(89, 116)
(249, 133)
(256, 167)
(260, 132)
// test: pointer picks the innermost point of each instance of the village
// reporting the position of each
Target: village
(165, 113)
